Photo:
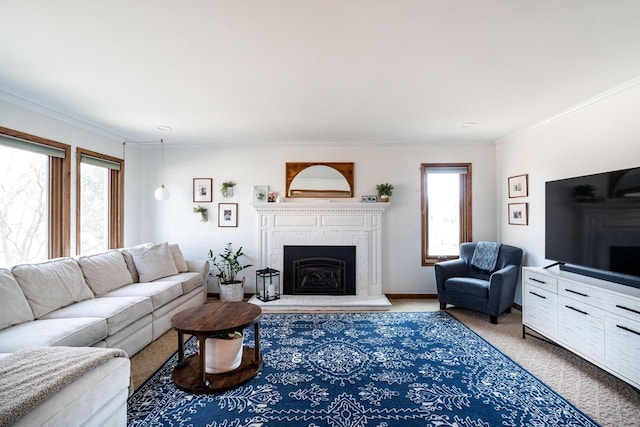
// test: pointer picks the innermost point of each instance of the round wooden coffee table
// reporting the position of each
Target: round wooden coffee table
(212, 319)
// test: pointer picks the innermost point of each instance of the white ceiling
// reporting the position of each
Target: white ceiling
(302, 71)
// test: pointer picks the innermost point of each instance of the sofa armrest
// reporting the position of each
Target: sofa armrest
(198, 266)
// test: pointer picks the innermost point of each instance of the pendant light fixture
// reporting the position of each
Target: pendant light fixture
(161, 192)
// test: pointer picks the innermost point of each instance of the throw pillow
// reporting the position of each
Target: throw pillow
(128, 259)
(51, 285)
(153, 262)
(105, 272)
(15, 308)
(178, 259)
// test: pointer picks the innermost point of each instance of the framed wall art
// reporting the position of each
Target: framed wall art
(519, 213)
(227, 214)
(260, 193)
(202, 190)
(518, 186)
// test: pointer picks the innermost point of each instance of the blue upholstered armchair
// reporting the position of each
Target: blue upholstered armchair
(491, 291)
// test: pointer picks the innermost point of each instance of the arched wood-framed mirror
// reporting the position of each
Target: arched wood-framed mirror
(317, 179)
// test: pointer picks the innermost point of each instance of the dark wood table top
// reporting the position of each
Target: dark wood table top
(216, 318)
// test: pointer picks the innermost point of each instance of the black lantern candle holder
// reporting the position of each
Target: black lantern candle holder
(267, 284)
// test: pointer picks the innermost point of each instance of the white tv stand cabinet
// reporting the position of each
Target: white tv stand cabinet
(595, 319)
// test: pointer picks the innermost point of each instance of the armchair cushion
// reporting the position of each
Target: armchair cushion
(468, 285)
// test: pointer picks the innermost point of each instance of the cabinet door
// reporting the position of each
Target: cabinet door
(581, 328)
(539, 311)
(622, 349)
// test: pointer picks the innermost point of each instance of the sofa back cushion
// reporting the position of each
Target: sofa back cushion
(14, 308)
(153, 261)
(105, 272)
(178, 258)
(51, 285)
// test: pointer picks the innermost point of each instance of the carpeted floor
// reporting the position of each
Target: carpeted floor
(604, 398)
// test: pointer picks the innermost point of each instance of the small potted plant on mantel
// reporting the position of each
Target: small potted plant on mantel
(384, 191)
(227, 189)
(231, 288)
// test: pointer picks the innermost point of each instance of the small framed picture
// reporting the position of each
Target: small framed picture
(273, 195)
(519, 213)
(227, 214)
(518, 186)
(260, 193)
(202, 190)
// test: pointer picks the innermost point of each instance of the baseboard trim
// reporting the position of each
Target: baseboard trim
(412, 296)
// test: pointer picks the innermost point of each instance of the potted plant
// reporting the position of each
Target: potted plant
(384, 191)
(227, 188)
(228, 266)
(204, 213)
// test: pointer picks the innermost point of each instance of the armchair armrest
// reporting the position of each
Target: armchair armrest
(502, 287)
(447, 269)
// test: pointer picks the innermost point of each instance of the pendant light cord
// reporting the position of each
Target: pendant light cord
(162, 162)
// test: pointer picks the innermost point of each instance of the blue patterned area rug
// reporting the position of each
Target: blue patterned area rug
(364, 369)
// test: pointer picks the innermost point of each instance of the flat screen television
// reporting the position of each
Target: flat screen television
(593, 225)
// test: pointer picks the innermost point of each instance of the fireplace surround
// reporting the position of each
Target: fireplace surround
(320, 223)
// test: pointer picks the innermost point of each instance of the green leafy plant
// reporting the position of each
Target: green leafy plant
(385, 189)
(229, 264)
(204, 212)
(225, 189)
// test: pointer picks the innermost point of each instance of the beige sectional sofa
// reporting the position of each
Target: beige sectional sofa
(120, 299)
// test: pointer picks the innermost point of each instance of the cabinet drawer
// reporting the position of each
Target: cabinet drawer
(579, 292)
(581, 327)
(539, 311)
(625, 306)
(622, 349)
(541, 281)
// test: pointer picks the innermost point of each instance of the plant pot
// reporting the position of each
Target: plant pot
(223, 355)
(227, 192)
(384, 198)
(232, 291)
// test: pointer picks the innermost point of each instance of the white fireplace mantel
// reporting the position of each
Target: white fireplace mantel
(325, 223)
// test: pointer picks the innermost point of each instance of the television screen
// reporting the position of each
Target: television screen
(594, 221)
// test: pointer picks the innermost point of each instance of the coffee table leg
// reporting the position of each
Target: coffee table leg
(256, 340)
(202, 359)
(180, 346)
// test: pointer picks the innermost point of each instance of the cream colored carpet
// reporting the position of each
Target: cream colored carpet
(606, 399)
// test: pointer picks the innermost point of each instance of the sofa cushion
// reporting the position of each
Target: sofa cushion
(189, 281)
(78, 332)
(119, 312)
(105, 272)
(15, 308)
(153, 262)
(159, 292)
(178, 258)
(468, 285)
(51, 285)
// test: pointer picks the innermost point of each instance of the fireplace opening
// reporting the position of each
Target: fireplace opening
(319, 270)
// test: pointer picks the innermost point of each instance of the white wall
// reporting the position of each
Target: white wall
(174, 220)
(148, 220)
(601, 136)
